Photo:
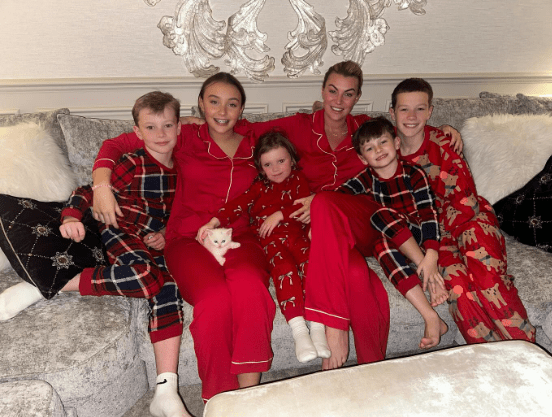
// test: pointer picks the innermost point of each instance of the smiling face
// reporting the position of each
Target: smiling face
(222, 106)
(381, 154)
(339, 95)
(277, 164)
(411, 113)
(159, 131)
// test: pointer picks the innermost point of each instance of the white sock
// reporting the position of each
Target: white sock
(304, 348)
(17, 298)
(318, 336)
(166, 401)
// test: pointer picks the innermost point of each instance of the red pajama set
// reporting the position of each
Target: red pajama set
(144, 189)
(408, 210)
(483, 299)
(287, 247)
(341, 291)
(233, 310)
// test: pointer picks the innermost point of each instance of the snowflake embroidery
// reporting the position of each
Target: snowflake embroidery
(28, 204)
(40, 230)
(62, 260)
(535, 222)
(98, 255)
(545, 179)
(519, 199)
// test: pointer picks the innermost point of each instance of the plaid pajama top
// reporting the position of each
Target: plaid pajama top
(144, 189)
(408, 191)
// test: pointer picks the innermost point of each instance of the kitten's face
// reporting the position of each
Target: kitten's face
(219, 237)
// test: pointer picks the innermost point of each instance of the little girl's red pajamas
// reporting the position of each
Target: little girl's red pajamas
(287, 247)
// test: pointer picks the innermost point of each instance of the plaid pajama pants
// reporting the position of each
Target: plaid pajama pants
(139, 272)
(396, 228)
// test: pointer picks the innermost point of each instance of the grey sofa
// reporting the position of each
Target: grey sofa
(89, 356)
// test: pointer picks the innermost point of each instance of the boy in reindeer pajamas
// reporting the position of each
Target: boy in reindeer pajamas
(483, 299)
(269, 203)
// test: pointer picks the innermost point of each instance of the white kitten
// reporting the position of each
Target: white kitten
(218, 241)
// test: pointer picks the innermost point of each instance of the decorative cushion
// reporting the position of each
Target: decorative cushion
(32, 163)
(31, 240)
(527, 213)
(84, 137)
(505, 151)
(48, 120)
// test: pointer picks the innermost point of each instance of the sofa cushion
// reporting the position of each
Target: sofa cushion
(506, 151)
(31, 398)
(32, 242)
(84, 137)
(526, 214)
(84, 347)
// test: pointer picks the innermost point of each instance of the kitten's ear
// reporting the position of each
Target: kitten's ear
(210, 232)
(229, 231)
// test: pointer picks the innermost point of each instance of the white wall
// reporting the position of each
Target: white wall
(96, 56)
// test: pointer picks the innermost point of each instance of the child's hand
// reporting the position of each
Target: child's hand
(270, 223)
(189, 120)
(303, 214)
(427, 269)
(105, 207)
(73, 229)
(155, 240)
(202, 232)
(456, 142)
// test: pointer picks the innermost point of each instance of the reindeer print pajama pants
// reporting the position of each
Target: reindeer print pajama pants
(483, 299)
(288, 255)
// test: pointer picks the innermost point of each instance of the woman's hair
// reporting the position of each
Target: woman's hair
(222, 77)
(347, 69)
(157, 102)
(372, 129)
(271, 140)
(412, 85)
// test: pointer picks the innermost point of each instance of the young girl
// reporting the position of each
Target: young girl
(270, 202)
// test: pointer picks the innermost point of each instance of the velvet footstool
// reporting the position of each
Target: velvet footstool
(511, 378)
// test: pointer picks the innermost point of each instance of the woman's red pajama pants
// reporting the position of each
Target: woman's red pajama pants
(233, 310)
(341, 290)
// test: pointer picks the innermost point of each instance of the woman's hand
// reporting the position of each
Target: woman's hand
(270, 223)
(202, 232)
(105, 207)
(303, 214)
(455, 138)
(72, 228)
(155, 240)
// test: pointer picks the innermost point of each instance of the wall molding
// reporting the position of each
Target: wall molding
(113, 97)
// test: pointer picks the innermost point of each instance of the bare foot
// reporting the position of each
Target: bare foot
(434, 329)
(439, 296)
(338, 342)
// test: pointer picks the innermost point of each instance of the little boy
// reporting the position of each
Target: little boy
(472, 254)
(144, 183)
(407, 219)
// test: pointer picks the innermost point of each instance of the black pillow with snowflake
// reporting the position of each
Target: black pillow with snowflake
(31, 240)
(526, 214)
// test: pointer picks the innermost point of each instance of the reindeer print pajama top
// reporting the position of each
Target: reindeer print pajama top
(483, 299)
(287, 247)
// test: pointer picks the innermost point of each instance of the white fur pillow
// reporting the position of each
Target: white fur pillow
(505, 151)
(33, 166)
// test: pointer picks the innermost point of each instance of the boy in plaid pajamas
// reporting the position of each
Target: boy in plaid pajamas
(406, 221)
(144, 183)
(483, 299)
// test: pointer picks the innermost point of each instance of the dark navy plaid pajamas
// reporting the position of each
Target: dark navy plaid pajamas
(408, 209)
(145, 192)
